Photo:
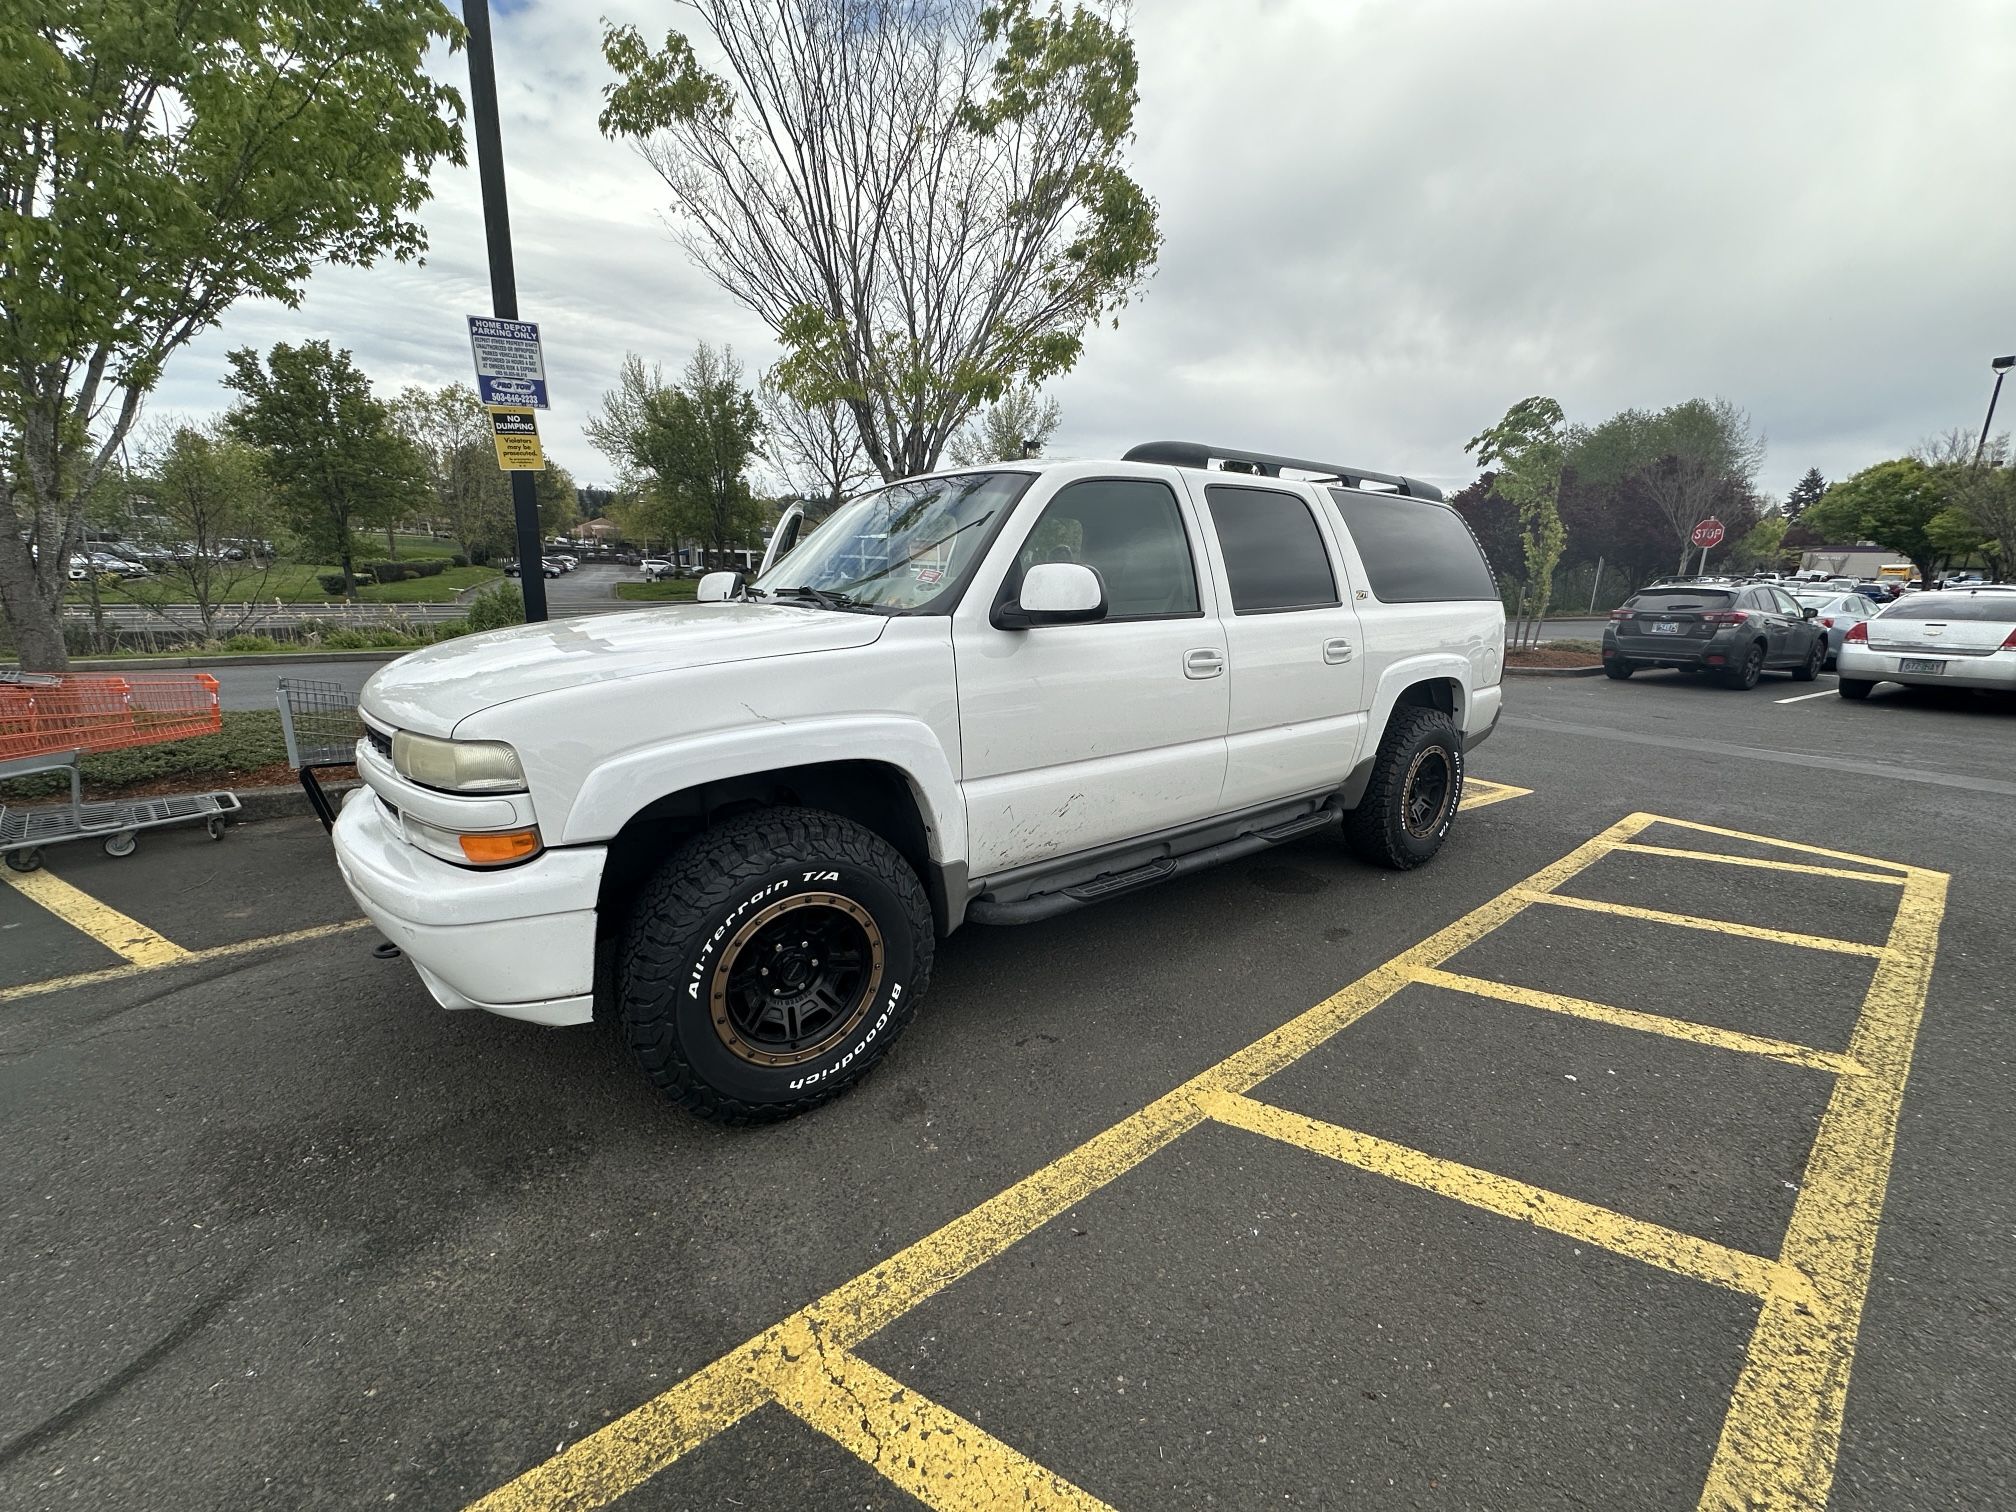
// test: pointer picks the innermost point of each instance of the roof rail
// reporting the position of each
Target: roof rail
(1197, 454)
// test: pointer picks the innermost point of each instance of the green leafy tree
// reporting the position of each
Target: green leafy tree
(451, 432)
(157, 163)
(1529, 449)
(924, 202)
(1021, 419)
(208, 490)
(1761, 547)
(1805, 494)
(335, 459)
(559, 501)
(1980, 490)
(1685, 461)
(1893, 504)
(686, 448)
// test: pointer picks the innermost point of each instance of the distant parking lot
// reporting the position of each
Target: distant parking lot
(1647, 1150)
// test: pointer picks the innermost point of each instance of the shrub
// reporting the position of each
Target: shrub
(251, 643)
(460, 559)
(449, 629)
(347, 640)
(388, 572)
(332, 582)
(496, 607)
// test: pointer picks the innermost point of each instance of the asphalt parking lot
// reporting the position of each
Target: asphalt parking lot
(1577, 1169)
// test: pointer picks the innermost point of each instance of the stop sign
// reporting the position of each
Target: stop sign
(1708, 533)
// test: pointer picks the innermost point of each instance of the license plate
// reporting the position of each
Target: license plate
(1918, 664)
(1666, 627)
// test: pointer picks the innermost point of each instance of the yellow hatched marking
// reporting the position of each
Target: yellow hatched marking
(619, 1457)
(1649, 1023)
(187, 958)
(1477, 793)
(929, 1451)
(1669, 1249)
(1792, 845)
(1783, 1428)
(1712, 926)
(1639, 849)
(122, 936)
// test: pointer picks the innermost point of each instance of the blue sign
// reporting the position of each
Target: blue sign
(510, 368)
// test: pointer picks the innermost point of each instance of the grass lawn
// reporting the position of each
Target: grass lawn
(296, 583)
(664, 588)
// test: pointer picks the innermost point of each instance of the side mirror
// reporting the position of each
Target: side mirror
(717, 587)
(1055, 593)
(1812, 613)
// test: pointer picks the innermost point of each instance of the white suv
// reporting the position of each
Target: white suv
(742, 824)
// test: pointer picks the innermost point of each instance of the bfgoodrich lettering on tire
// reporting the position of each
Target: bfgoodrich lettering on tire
(770, 962)
(1416, 788)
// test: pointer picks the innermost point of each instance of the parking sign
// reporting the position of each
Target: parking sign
(510, 369)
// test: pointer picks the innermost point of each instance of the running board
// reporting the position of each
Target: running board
(1047, 905)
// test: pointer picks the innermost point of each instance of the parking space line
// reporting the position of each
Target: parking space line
(1802, 868)
(129, 938)
(1801, 698)
(1712, 926)
(1478, 793)
(1669, 1249)
(186, 958)
(1649, 1023)
(1792, 845)
(928, 1450)
(1783, 1428)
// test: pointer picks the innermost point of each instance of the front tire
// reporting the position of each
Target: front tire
(1416, 788)
(770, 962)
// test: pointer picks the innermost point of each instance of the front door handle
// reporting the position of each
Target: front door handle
(1206, 661)
(1338, 650)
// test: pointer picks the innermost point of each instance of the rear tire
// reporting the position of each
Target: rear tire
(1415, 791)
(1810, 668)
(770, 962)
(1617, 669)
(1744, 677)
(1855, 687)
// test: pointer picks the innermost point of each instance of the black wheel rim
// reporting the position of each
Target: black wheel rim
(796, 979)
(1753, 664)
(1430, 788)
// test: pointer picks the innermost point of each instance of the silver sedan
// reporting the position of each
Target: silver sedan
(1963, 639)
(1835, 613)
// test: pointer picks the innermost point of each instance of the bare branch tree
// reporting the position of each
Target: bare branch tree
(815, 449)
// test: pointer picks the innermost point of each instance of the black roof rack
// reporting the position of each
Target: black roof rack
(1196, 454)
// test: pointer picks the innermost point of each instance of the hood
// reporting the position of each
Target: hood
(431, 691)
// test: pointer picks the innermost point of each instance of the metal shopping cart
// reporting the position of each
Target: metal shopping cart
(48, 724)
(322, 727)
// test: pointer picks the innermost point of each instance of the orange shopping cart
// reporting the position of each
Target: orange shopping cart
(47, 724)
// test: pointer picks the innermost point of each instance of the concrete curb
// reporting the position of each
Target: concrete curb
(197, 663)
(1555, 671)
(260, 803)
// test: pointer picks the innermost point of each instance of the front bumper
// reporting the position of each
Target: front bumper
(518, 941)
(1995, 672)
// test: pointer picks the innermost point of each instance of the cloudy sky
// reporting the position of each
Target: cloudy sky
(1386, 220)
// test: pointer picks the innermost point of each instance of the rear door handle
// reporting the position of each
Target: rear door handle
(1338, 650)
(1206, 661)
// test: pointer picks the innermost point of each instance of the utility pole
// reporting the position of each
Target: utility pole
(503, 280)
(2001, 366)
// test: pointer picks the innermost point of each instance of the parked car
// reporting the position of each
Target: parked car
(1956, 638)
(986, 696)
(567, 562)
(546, 569)
(655, 568)
(119, 566)
(1836, 612)
(1731, 631)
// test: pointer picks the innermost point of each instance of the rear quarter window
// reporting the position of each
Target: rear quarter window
(1415, 552)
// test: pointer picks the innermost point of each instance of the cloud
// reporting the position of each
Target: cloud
(1386, 220)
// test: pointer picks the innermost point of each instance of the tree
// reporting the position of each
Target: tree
(559, 501)
(1980, 492)
(925, 203)
(157, 164)
(1529, 449)
(1685, 459)
(1893, 504)
(451, 432)
(209, 488)
(686, 448)
(816, 448)
(1007, 429)
(1761, 546)
(1805, 493)
(334, 458)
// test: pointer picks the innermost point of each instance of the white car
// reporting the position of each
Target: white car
(986, 696)
(654, 568)
(1964, 638)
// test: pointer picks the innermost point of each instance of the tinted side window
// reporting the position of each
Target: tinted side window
(1274, 554)
(1787, 604)
(1415, 551)
(1131, 531)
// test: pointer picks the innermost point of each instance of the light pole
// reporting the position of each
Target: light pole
(2001, 366)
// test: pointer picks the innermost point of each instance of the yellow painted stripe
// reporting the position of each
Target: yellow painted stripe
(1477, 793)
(1801, 867)
(187, 958)
(1649, 1023)
(1712, 926)
(1669, 1249)
(1783, 1428)
(1791, 845)
(929, 1451)
(122, 936)
(619, 1457)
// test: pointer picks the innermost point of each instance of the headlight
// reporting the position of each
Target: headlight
(457, 766)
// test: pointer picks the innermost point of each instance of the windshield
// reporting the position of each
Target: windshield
(903, 547)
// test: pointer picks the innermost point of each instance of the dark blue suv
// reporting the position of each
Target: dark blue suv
(1733, 631)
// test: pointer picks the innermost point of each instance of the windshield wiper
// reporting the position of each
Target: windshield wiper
(825, 598)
